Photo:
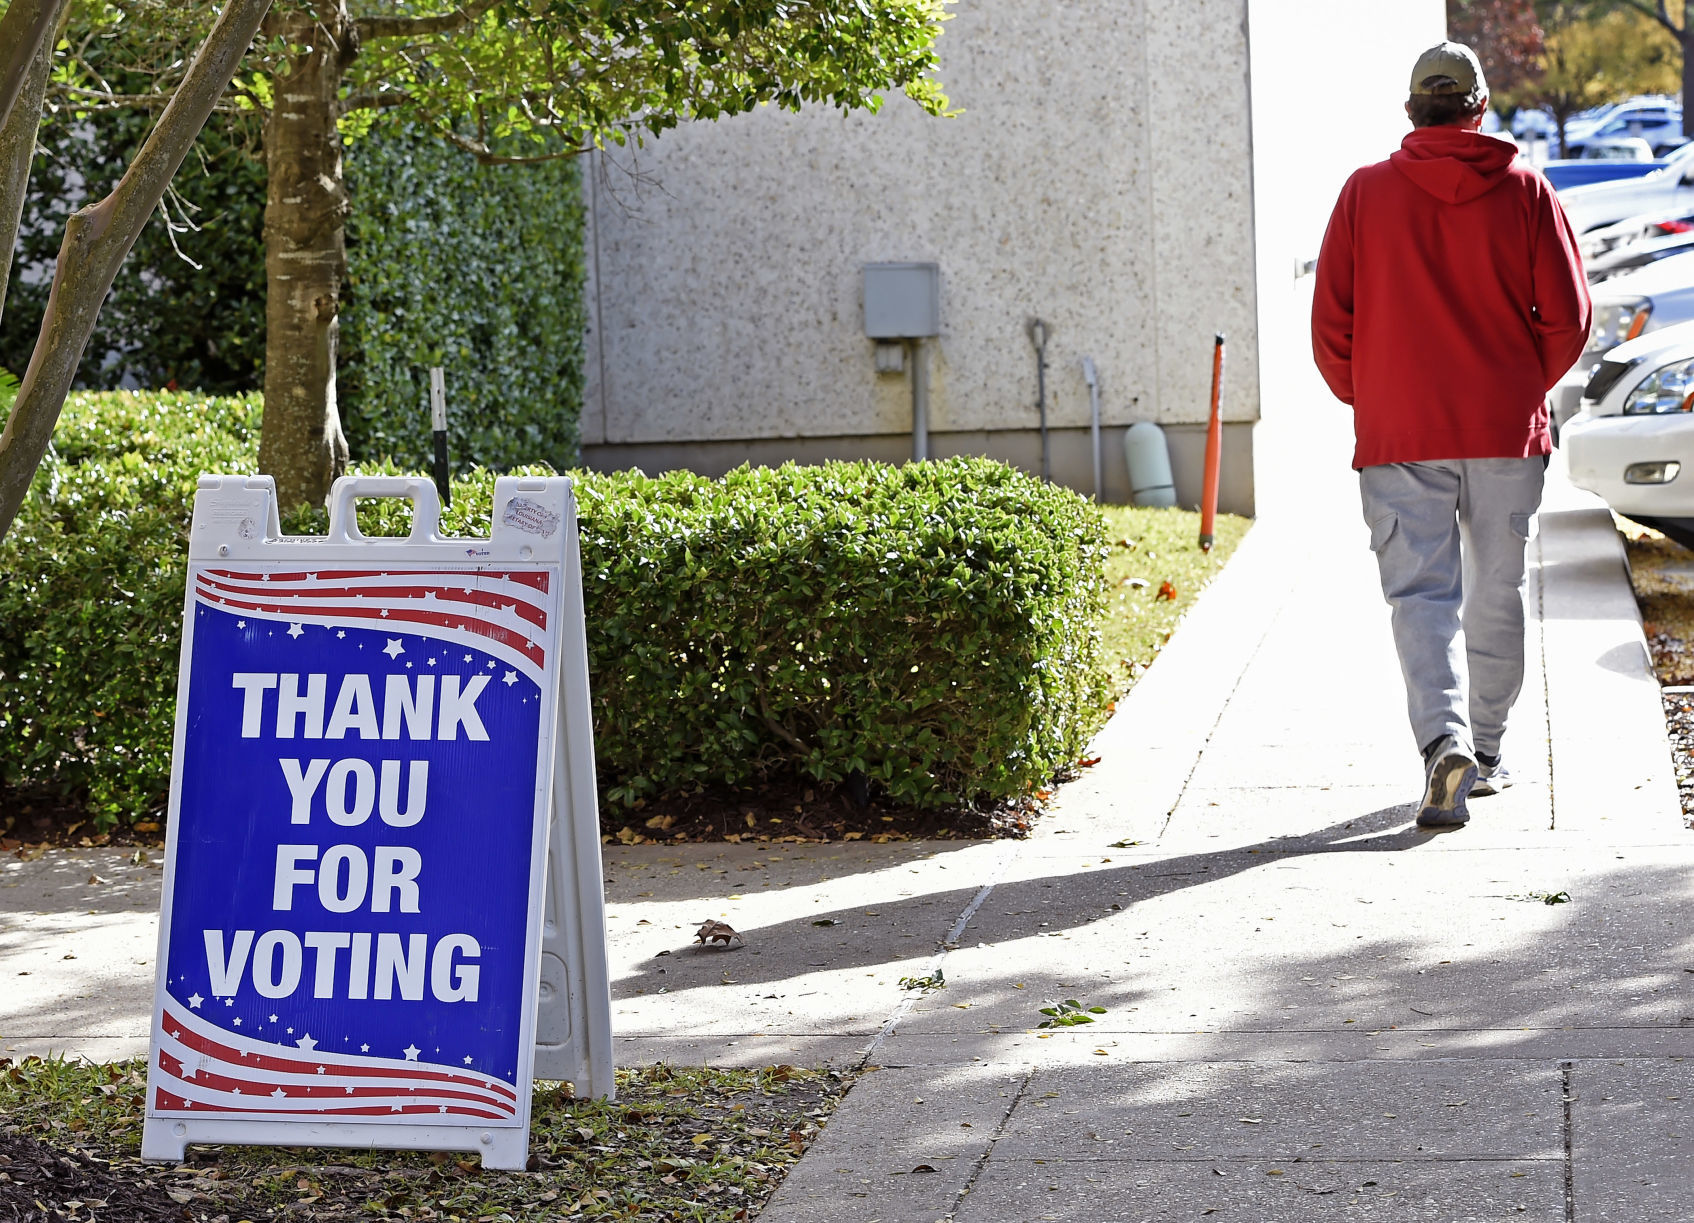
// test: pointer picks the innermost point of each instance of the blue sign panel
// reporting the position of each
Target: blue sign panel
(364, 778)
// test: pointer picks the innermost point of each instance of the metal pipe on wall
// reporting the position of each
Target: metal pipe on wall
(1092, 377)
(1038, 337)
(918, 357)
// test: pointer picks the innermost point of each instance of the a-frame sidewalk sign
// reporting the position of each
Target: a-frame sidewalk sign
(362, 914)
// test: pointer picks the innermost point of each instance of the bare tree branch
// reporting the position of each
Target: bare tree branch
(374, 101)
(1659, 12)
(421, 27)
(489, 157)
(26, 25)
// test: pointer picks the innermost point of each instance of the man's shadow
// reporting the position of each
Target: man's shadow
(850, 938)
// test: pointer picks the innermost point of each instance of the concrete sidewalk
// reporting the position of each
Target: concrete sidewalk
(1312, 1009)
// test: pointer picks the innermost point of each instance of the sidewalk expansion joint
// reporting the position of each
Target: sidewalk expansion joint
(1003, 860)
(999, 1133)
(1223, 707)
(1570, 1165)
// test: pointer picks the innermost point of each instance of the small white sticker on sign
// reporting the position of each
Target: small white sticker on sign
(531, 517)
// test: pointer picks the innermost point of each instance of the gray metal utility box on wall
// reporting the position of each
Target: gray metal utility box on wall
(902, 301)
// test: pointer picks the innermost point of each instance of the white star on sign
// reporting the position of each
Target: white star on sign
(384, 613)
(441, 1108)
(194, 1000)
(320, 1069)
(467, 657)
(237, 1091)
(306, 1042)
(411, 1052)
(229, 1001)
(273, 1018)
(431, 662)
(511, 678)
(238, 1021)
(408, 666)
(294, 630)
(349, 1091)
(280, 1094)
(491, 664)
(341, 633)
(311, 577)
(467, 1059)
(364, 1048)
(241, 624)
(394, 649)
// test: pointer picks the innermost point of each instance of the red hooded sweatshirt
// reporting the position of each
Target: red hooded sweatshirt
(1450, 298)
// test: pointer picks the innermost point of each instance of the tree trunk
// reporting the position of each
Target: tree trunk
(97, 240)
(301, 443)
(18, 128)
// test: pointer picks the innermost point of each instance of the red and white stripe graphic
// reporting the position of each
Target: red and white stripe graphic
(199, 1068)
(500, 611)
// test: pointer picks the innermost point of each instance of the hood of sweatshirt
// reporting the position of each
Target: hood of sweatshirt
(1454, 166)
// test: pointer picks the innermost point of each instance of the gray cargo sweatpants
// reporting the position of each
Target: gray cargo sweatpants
(1449, 540)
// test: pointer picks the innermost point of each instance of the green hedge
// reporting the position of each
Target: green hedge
(930, 626)
(478, 269)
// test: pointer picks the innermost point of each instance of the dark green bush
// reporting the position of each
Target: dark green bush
(474, 268)
(477, 269)
(930, 626)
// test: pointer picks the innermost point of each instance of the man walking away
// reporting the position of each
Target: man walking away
(1450, 297)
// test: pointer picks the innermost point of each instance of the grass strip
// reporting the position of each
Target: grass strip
(1155, 572)
(683, 1143)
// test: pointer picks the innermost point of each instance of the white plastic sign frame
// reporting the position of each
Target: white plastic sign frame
(362, 913)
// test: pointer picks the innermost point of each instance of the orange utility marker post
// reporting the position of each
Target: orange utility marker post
(1214, 451)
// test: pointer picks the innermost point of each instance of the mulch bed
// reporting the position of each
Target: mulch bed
(793, 813)
(43, 1184)
(641, 1156)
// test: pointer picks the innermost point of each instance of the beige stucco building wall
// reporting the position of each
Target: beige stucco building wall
(1101, 175)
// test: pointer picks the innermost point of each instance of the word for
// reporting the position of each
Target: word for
(408, 701)
(276, 960)
(397, 868)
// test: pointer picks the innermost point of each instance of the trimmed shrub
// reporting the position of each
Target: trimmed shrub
(91, 590)
(931, 627)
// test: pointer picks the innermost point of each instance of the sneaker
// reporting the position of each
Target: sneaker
(1491, 776)
(1451, 775)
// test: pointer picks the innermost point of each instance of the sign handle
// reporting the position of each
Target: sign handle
(344, 520)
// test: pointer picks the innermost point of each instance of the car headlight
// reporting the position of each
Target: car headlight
(1670, 389)
(1615, 322)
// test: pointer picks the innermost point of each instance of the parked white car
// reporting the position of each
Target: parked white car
(1668, 190)
(1597, 242)
(1632, 442)
(1627, 306)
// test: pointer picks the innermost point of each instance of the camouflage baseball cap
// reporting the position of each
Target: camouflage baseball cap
(1448, 67)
